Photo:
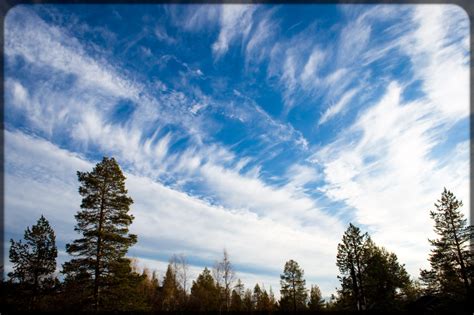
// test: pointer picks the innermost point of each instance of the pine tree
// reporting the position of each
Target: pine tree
(350, 261)
(103, 222)
(386, 281)
(371, 277)
(293, 292)
(34, 261)
(122, 292)
(316, 302)
(450, 259)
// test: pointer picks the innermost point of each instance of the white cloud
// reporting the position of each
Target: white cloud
(195, 17)
(439, 54)
(353, 40)
(299, 175)
(235, 21)
(28, 36)
(162, 35)
(338, 107)
(310, 69)
(261, 39)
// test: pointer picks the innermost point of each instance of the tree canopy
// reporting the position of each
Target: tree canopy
(452, 267)
(34, 260)
(103, 222)
(293, 291)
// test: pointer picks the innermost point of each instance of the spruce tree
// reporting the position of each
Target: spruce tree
(170, 291)
(103, 223)
(204, 293)
(34, 261)
(450, 259)
(293, 292)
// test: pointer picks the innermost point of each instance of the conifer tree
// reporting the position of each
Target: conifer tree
(257, 297)
(204, 293)
(371, 277)
(273, 302)
(247, 301)
(316, 302)
(103, 222)
(293, 292)
(170, 290)
(450, 259)
(386, 281)
(34, 261)
(350, 254)
(236, 304)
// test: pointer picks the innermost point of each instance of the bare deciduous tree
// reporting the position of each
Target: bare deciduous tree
(181, 268)
(224, 275)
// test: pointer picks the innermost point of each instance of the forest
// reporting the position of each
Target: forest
(99, 277)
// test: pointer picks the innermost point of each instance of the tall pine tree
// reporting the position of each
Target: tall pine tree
(450, 259)
(103, 222)
(350, 254)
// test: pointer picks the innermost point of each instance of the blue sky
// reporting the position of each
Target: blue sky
(261, 129)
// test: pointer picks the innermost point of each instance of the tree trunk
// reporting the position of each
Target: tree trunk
(461, 260)
(99, 248)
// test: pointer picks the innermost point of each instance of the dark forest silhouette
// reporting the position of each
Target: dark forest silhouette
(99, 276)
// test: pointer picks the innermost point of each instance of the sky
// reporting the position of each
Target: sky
(261, 129)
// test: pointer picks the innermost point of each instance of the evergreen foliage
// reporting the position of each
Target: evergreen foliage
(451, 260)
(103, 222)
(293, 292)
(170, 291)
(34, 262)
(316, 302)
(204, 293)
(371, 277)
(349, 260)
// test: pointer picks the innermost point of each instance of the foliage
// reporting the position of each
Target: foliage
(349, 260)
(103, 222)
(293, 292)
(34, 262)
(236, 302)
(451, 275)
(204, 293)
(171, 291)
(371, 277)
(316, 302)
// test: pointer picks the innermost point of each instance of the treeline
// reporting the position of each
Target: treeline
(100, 277)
